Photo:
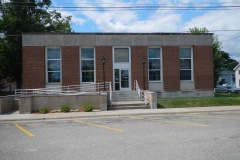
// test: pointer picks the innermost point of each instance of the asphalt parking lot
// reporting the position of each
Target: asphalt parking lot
(189, 136)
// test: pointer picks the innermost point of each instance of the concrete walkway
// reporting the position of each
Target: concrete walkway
(15, 116)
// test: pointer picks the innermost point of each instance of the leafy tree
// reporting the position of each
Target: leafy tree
(16, 17)
(197, 30)
(221, 59)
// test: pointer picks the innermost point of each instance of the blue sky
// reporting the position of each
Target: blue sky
(110, 19)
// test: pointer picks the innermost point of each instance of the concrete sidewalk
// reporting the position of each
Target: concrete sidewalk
(15, 116)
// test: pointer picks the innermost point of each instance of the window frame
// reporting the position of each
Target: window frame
(94, 59)
(161, 73)
(192, 68)
(46, 64)
(122, 47)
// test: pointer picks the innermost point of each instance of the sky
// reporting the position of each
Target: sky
(221, 17)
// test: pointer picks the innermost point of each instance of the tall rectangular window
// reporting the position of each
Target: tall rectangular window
(53, 65)
(185, 58)
(87, 65)
(154, 64)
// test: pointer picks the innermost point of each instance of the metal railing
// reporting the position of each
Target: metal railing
(141, 93)
(137, 88)
(110, 93)
(66, 90)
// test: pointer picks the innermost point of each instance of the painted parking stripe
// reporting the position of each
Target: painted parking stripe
(175, 122)
(24, 130)
(212, 117)
(100, 126)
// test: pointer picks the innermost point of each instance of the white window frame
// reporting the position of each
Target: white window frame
(161, 65)
(192, 68)
(80, 49)
(46, 64)
(122, 65)
(129, 54)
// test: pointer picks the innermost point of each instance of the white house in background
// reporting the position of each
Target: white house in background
(227, 77)
(237, 75)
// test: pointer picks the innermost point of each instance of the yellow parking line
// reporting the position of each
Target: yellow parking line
(24, 130)
(213, 117)
(101, 126)
(175, 122)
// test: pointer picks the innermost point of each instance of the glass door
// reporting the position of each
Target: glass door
(121, 79)
(116, 80)
(124, 79)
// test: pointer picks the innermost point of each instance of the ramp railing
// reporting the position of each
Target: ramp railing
(66, 90)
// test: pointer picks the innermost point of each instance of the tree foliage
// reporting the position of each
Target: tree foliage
(221, 59)
(19, 16)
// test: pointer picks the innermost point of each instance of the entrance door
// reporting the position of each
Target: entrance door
(121, 79)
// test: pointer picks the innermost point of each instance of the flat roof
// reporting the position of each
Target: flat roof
(116, 33)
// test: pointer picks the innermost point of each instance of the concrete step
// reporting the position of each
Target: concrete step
(125, 99)
(119, 96)
(128, 105)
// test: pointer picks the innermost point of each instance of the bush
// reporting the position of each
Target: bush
(65, 108)
(43, 110)
(88, 108)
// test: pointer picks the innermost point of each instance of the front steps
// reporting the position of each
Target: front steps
(127, 100)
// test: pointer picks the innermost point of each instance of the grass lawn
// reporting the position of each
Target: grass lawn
(220, 99)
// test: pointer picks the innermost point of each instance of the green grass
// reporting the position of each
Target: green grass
(220, 99)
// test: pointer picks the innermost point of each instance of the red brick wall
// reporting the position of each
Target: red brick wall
(203, 67)
(137, 53)
(105, 51)
(33, 59)
(70, 65)
(171, 72)
(34, 66)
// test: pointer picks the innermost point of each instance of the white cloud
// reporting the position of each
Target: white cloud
(75, 19)
(130, 21)
(162, 20)
(220, 20)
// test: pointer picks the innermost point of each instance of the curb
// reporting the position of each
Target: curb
(114, 115)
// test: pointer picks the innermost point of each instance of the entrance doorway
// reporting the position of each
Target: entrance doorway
(121, 79)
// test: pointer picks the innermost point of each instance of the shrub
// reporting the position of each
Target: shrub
(43, 110)
(88, 108)
(65, 108)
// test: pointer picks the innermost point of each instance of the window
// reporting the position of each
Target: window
(87, 65)
(185, 57)
(121, 54)
(239, 72)
(154, 64)
(53, 65)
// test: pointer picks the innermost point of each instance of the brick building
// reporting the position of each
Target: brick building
(167, 63)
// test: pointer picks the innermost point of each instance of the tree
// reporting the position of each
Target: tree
(16, 17)
(197, 30)
(221, 59)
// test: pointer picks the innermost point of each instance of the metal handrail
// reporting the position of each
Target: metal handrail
(72, 89)
(137, 88)
(141, 93)
(110, 93)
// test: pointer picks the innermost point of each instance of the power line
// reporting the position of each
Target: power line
(149, 7)
(238, 35)
(225, 30)
(135, 7)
